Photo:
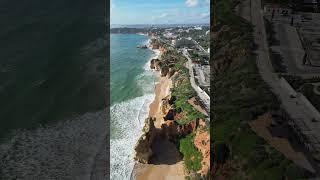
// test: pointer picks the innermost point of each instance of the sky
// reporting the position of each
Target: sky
(159, 11)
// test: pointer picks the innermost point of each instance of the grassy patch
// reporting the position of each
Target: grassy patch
(183, 91)
(191, 156)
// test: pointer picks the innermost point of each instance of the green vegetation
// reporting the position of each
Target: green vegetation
(199, 35)
(198, 57)
(240, 96)
(183, 92)
(191, 156)
(182, 89)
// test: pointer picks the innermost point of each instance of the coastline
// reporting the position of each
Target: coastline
(150, 171)
(128, 115)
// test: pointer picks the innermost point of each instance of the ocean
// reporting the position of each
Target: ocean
(132, 90)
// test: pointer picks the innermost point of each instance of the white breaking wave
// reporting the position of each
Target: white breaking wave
(146, 81)
(128, 120)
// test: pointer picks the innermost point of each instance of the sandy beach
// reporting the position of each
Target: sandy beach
(161, 171)
(162, 89)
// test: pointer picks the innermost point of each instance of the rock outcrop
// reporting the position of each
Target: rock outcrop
(154, 64)
(143, 146)
(171, 72)
(170, 115)
(165, 105)
(170, 130)
(164, 71)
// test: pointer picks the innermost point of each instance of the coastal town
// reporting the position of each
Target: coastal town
(194, 45)
(175, 142)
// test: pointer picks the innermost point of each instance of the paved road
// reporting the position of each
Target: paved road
(200, 47)
(300, 111)
(201, 93)
(205, 98)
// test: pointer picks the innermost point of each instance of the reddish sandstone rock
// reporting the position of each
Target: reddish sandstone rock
(164, 71)
(202, 143)
(165, 105)
(143, 146)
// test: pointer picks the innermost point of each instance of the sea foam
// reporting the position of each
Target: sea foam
(127, 121)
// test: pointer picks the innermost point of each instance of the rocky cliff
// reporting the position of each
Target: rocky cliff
(169, 130)
(143, 146)
(165, 68)
(154, 64)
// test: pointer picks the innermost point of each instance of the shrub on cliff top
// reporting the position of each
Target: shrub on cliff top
(191, 156)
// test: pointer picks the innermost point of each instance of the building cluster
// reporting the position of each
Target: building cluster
(183, 39)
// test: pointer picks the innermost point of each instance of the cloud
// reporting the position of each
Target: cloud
(205, 15)
(163, 15)
(192, 3)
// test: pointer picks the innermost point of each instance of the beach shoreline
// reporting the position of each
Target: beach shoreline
(162, 171)
(130, 108)
(161, 90)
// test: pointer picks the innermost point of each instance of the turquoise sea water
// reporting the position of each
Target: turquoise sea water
(127, 64)
(131, 84)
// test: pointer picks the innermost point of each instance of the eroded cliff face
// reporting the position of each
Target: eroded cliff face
(143, 146)
(163, 66)
(154, 64)
(169, 130)
(149, 146)
(202, 143)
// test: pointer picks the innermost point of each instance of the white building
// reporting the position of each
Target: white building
(173, 42)
(197, 28)
(170, 35)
